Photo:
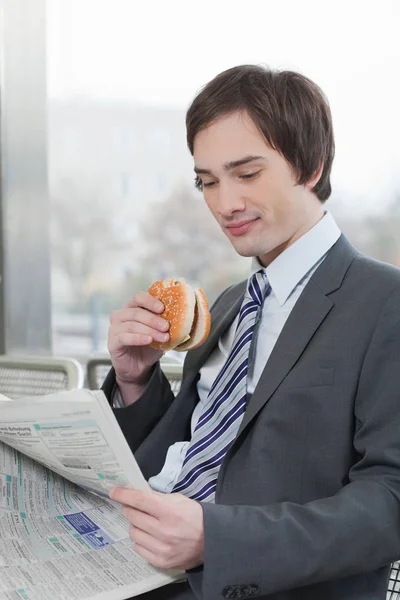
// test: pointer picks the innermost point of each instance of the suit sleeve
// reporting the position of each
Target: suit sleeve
(138, 419)
(287, 545)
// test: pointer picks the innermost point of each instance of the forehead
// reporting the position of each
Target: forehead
(229, 138)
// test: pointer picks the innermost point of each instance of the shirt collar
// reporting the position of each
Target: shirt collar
(290, 267)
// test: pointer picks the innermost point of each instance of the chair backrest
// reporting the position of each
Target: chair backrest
(36, 376)
(173, 372)
(393, 592)
(97, 369)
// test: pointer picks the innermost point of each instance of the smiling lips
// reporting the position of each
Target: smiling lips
(240, 228)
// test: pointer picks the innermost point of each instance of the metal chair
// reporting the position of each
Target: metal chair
(98, 367)
(393, 592)
(173, 372)
(22, 376)
(96, 371)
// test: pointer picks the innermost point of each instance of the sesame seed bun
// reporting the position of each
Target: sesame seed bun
(201, 324)
(187, 312)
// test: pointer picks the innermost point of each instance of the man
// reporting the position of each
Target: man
(282, 449)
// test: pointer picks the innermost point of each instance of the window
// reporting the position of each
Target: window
(119, 84)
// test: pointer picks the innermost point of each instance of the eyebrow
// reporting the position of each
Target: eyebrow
(231, 165)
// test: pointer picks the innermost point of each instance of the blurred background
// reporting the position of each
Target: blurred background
(97, 193)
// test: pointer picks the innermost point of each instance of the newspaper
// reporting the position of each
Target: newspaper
(61, 537)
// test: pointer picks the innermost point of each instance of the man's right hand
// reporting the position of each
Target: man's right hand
(131, 331)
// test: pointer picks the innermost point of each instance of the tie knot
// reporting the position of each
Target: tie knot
(258, 286)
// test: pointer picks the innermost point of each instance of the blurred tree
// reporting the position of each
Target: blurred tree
(182, 239)
(84, 232)
(377, 235)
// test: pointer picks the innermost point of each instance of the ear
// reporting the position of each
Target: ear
(311, 183)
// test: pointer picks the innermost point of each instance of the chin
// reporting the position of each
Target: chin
(250, 247)
(249, 252)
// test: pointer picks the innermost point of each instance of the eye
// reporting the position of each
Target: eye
(200, 185)
(250, 175)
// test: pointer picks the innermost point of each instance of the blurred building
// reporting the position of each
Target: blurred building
(133, 154)
(108, 161)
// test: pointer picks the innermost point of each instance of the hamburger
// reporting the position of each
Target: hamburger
(186, 310)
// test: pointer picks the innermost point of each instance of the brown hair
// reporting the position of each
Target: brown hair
(290, 110)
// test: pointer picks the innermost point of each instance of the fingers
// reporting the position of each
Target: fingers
(135, 332)
(143, 521)
(167, 529)
(146, 502)
(148, 542)
(139, 315)
(137, 325)
(145, 300)
(130, 338)
(150, 557)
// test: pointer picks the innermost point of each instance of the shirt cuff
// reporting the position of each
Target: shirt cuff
(117, 400)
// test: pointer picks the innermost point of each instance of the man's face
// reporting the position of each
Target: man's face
(251, 189)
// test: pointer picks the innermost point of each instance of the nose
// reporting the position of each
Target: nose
(229, 199)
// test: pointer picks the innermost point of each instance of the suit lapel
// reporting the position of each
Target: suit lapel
(307, 315)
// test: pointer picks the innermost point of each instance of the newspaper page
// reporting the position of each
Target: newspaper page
(57, 540)
(74, 434)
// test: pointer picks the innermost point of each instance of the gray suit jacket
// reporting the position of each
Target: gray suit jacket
(308, 496)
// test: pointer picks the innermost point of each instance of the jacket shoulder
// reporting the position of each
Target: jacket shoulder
(376, 272)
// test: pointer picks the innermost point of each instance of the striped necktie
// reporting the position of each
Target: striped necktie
(226, 403)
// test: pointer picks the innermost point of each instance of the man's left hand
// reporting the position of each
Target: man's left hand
(167, 529)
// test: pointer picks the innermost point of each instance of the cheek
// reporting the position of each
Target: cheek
(209, 199)
(282, 199)
(271, 199)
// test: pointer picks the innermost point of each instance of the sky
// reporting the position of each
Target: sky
(161, 52)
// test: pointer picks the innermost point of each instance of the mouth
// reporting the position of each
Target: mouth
(240, 228)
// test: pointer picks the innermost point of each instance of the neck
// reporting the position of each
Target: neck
(267, 259)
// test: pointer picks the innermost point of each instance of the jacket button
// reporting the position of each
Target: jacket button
(250, 590)
(241, 591)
